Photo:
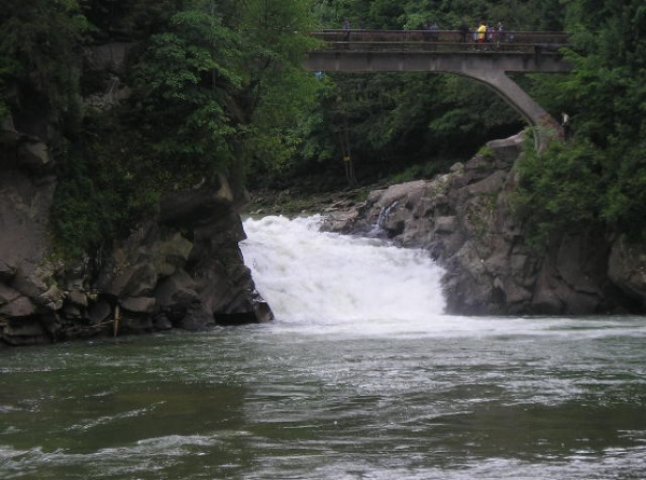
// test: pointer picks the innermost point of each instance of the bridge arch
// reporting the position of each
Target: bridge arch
(488, 66)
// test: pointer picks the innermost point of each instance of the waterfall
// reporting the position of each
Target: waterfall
(312, 277)
(378, 228)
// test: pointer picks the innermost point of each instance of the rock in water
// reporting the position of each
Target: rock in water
(464, 219)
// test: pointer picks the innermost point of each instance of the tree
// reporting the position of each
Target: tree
(39, 43)
(606, 98)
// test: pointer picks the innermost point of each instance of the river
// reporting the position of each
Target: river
(361, 376)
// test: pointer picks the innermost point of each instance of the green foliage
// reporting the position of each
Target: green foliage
(39, 47)
(560, 190)
(276, 38)
(182, 82)
(216, 94)
(599, 176)
(393, 120)
(414, 14)
(486, 152)
(132, 19)
(208, 81)
(416, 172)
(6, 70)
(94, 200)
(217, 86)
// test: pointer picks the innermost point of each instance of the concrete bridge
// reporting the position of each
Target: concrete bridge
(488, 62)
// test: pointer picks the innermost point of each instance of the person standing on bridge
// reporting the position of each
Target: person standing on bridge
(501, 32)
(464, 31)
(482, 32)
(435, 32)
(347, 26)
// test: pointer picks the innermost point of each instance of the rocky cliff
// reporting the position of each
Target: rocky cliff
(181, 268)
(465, 220)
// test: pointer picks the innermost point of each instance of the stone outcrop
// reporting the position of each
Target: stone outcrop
(27, 284)
(464, 219)
(108, 63)
(182, 268)
(627, 267)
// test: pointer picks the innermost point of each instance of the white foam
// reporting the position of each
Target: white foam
(318, 282)
(324, 278)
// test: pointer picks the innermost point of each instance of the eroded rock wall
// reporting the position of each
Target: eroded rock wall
(464, 219)
(183, 268)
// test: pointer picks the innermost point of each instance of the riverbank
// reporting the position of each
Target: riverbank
(293, 201)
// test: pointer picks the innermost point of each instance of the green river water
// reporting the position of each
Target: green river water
(253, 402)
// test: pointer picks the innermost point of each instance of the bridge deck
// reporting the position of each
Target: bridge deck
(393, 41)
(452, 36)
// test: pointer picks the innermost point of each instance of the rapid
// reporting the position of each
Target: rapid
(361, 376)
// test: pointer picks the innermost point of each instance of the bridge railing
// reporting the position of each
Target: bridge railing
(440, 40)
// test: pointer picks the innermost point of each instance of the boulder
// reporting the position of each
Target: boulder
(71, 311)
(197, 206)
(139, 304)
(627, 267)
(18, 308)
(24, 331)
(35, 156)
(99, 312)
(7, 271)
(78, 297)
(161, 322)
(124, 277)
(110, 57)
(8, 134)
(52, 298)
(170, 254)
(7, 294)
(196, 318)
(507, 150)
(136, 324)
(24, 211)
(177, 291)
(446, 225)
(148, 255)
(465, 219)
(342, 221)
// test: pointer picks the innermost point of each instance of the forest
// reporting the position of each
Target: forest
(216, 86)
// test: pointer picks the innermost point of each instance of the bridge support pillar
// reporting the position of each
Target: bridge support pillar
(546, 128)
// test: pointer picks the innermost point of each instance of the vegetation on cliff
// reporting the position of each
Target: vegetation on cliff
(598, 177)
(203, 94)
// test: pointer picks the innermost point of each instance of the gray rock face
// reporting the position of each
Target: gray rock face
(108, 63)
(627, 268)
(192, 284)
(464, 220)
(139, 304)
(19, 307)
(111, 57)
(35, 156)
(27, 277)
(183, 269)
(180, 269)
